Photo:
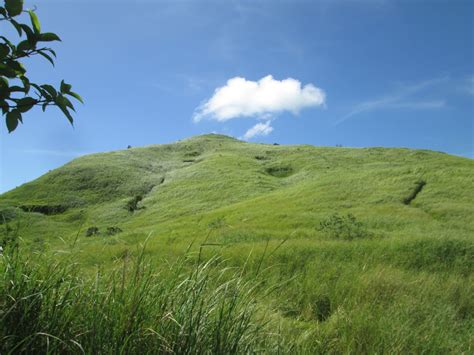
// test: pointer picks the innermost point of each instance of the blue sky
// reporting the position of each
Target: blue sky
(388, 73)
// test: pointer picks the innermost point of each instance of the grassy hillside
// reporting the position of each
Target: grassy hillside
(371, 249)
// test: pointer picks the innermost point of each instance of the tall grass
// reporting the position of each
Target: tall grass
(49, 307)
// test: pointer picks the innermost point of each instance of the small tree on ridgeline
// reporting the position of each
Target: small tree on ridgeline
(17, 94)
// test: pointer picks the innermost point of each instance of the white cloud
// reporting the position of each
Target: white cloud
(400, 100)
(261, 99)
(260, 129)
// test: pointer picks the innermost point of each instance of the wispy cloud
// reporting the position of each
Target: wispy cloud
(401, 99)
(469, 86)
(58, 153)
(260, 129)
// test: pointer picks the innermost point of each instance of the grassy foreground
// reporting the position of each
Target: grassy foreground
(47, 307)
(252, 248)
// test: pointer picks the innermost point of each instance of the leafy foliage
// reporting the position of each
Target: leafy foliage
(132, 204)
(344, 227)
(92, 231)
(18, 94)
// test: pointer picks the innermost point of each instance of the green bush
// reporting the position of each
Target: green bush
(322, 308)
(92, 231)
(7, 214)
(113, 230)
(344, 227)
(280, 171)
(132, 204)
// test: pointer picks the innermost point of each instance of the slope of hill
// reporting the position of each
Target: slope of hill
(384, 236)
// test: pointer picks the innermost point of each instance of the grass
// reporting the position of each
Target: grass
(48, 307)
(358, 269)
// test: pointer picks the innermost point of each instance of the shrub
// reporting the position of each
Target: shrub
(193, 153)
(280, 171)
(113, 230)
(45, 209)
(92, 231)
(344, 227)
(322, 308)
(132, 204)
(7, 214)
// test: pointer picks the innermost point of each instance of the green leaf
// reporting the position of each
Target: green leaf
(12, 120)
(16, 66)
(4, 106)
(69, 103)
(65, 88)
(31, 36)
(4, 50)
(24, 46)
(50, 90)
(16, 88)
(14, 7)
(66, 113)
(26, 83)
(76, 96)
(48, 37)
(35, 22)
(51, 51)
(3, 83)
(43, 54)
(17, 26)
(3, 12)
(5, 70)
(3, 88)
(25, 104)
(62, 104)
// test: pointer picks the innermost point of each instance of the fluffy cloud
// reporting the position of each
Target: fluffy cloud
(262, 99)
(260, 129)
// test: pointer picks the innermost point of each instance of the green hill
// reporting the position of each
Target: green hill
(382, 236)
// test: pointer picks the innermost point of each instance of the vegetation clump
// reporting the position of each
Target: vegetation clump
(417, 189)
(344, 227)
(91, 231)
(279, 171)
(193, 153)
(322, 308)
(7, 214)
(132, 204)
(113, 230)
(45, 209)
